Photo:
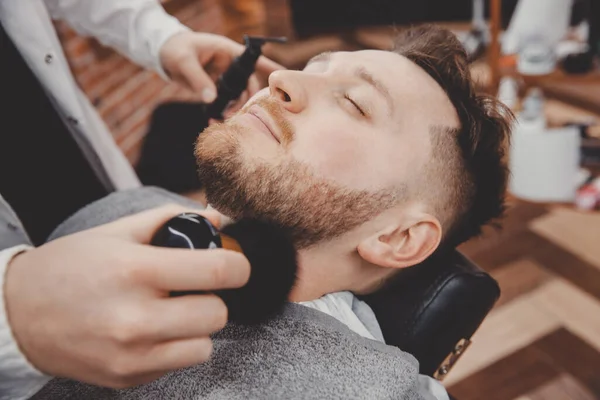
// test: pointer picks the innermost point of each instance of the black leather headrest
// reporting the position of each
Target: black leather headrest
(432, 306)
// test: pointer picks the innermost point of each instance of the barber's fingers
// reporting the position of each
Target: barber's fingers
(218, 63)
(173, 355)
(144, 365)
(266, 66)
(183, 270)
(192, 74)
(185, 317)
(253, 86)
(225, 220)
(142, 226)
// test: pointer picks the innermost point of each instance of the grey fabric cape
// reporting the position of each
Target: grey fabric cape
(301, 354)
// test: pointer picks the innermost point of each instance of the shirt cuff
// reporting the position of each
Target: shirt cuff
(18, 378)
(158, 27)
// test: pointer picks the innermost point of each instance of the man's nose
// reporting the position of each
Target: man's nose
(287, 87)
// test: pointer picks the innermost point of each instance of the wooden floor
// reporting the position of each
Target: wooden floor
(542, 340)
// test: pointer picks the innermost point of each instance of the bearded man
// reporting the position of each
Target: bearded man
(373, 161)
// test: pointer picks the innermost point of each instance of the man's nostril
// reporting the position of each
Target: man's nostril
(282, 95)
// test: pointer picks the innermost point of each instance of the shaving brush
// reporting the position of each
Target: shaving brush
(268, 248)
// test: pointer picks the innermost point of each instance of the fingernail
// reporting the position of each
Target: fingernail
(208, 95)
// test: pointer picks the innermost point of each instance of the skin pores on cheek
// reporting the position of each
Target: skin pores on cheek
(343, 152)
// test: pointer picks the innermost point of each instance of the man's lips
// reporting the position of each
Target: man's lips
(261, 116)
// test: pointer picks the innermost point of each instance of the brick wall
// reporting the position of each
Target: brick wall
(126, 94)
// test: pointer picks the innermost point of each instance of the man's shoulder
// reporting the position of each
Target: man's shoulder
(120, 204)
(298, 323)
(312, 354)
(301, 354)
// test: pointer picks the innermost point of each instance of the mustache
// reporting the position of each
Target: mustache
(277, 113)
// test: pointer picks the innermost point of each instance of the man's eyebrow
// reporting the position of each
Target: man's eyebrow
(362, 74)
(366, 76)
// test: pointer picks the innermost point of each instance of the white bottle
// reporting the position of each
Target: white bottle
(532, 117)
(508, 92)
(543, 162)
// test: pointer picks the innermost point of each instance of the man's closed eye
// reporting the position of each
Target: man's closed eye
(355, 105)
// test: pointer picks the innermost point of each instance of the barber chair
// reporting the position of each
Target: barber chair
(432, 310)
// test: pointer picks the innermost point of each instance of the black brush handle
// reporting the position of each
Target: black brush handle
(234, 81)
(268, 248)
(187, 231)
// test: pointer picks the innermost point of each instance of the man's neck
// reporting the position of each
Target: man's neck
(323, 269)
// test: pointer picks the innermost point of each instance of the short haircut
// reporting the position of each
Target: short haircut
(467, 172)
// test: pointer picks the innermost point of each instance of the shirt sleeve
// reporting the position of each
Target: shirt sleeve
(18, 378)
(135, 28)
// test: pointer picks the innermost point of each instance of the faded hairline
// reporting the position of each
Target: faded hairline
(440, 184)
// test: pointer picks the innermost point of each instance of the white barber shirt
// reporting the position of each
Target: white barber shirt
(136, 29)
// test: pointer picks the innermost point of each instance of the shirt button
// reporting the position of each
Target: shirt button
(12, 226)
(48, 58)
(72, 120)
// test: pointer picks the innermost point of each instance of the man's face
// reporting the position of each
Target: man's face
(325, 149)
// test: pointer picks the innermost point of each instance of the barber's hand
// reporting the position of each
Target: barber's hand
(196, 60)
(94, 306)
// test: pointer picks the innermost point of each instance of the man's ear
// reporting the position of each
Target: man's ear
(402, 246)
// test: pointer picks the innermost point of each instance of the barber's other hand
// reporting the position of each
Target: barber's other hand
(94, 306)
(196, 60)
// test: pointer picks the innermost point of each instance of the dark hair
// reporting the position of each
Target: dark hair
(468, 163)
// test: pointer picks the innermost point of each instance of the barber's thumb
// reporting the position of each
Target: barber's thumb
(197, 78)
(205, 86)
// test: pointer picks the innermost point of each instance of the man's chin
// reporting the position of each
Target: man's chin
(217, 141)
